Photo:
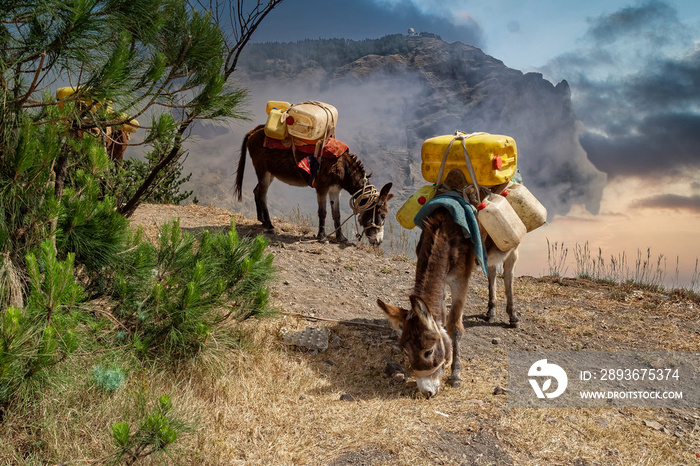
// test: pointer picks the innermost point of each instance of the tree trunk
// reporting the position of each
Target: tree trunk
(128, 209)
(60, 170)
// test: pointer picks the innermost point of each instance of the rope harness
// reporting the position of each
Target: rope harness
(369, 194)
(364, 199)
(428, 373)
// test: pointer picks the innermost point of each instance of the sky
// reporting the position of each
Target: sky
(634, 72)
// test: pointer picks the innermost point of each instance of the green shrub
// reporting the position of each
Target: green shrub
(123, 180)
(43, 333)
(175, 293)
(158, 429)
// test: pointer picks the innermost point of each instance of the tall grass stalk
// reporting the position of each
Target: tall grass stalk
(649, 272)
(402, 242)
(297, 217)
(556, 259)
(596, 268)
(695, 279)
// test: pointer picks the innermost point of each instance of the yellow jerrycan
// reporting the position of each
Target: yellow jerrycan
(278, 104)
(493, 157)
(276, 126)
(413, 204)
(130, 126)
(62, 93)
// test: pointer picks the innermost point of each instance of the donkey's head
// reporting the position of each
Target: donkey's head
(372, 220)
(423, 340)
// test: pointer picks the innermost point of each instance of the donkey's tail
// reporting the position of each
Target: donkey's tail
(238, 187)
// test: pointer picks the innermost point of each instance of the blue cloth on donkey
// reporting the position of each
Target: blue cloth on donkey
(463, 213)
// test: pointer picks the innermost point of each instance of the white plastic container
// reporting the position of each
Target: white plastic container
(311, 121)
(501, 222)
(532, 213)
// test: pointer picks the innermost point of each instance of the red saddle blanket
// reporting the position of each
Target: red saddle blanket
(332, 150)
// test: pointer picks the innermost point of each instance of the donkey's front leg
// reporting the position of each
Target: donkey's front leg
(508, 274)
(334, 195)
(491, 313)
(455, 327)
(321, 198)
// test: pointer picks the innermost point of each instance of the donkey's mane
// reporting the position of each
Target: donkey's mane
(354, 171)
(354, 158)
(356, 164)
(433, 256)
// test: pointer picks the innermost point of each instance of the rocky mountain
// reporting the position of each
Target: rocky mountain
(395, 92)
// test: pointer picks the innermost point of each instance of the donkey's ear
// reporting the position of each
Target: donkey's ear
(420, 310)
(396, 315)
(385, 189)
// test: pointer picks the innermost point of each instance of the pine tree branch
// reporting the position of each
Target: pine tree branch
(30, 91)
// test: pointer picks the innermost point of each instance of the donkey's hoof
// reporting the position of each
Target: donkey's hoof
(514, 324)
(341, 239)
(455, 382)
(490, 318)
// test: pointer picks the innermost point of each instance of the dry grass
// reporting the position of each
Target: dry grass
(401, 242)
(591, 436)
(304, 222)
(285, 406)
(274, 405)
(270, 404)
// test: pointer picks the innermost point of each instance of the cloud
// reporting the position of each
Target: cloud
(669, 84)
(670, 201)
(636, 87)
(653, 19)
(662, 145)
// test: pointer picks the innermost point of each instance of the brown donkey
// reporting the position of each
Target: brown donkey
(343, 173)
(445, 256)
